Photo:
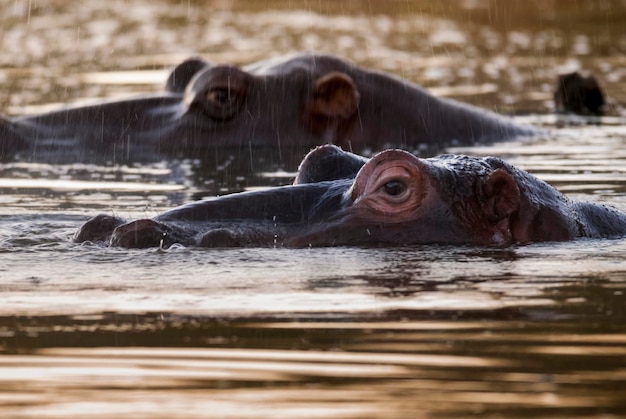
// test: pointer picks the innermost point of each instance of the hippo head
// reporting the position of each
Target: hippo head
(296, 102)
(271, 112)
(343, 199)
(289, 107)
(401, 199)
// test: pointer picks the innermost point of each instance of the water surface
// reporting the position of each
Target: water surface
(427, 331)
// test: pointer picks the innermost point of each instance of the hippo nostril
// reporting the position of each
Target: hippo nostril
(394, 187)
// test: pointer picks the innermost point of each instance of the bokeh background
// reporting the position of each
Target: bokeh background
(501, 54)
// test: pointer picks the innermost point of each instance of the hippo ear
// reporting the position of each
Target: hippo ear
(501, 195)
(328, 162)
(335, 97)
(182, 74)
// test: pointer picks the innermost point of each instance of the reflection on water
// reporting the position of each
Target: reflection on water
(427, 331)
(451, 332)
(367, 368)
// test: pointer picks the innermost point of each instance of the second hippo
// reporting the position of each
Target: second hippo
(282, 107)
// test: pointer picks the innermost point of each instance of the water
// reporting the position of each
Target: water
(428, 331)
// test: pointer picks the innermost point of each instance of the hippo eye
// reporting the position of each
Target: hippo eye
(394, 187)
(219, 96)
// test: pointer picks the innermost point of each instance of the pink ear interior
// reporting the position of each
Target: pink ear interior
(503, 195)
(335, 96)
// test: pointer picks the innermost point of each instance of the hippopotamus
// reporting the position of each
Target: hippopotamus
(579, 94)
(285, 106)
(394, 198)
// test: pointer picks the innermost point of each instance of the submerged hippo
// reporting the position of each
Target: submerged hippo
(287, 106)
(579, 94)
(394, 198)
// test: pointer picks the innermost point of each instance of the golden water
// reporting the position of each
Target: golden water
(429, 331)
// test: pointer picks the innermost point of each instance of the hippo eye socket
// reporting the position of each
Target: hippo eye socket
(218, 92)
(394, 187)
(224, 103)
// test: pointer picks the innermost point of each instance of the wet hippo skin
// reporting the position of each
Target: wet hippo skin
(286, 105)
(393, 198)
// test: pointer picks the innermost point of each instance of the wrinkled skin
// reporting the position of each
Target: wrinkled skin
(283, 107)
(579, 94)
(393, 198)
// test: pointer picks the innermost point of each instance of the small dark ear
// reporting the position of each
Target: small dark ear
(182, 74)
(335, 96)
(138, 234)
(97, 229)
(502, 196)
(328, 162)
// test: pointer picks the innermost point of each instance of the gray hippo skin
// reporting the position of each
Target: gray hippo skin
(393, 198)
(286, 106)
